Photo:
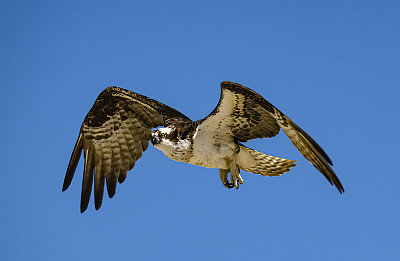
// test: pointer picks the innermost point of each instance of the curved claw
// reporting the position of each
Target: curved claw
(235, 178)
(240, 179)
(228, 185)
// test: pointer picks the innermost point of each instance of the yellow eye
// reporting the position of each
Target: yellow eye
(162, 135)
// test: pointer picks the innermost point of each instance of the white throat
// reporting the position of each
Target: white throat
(180, 151)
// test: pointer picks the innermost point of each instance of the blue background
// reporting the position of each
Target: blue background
(331, 66)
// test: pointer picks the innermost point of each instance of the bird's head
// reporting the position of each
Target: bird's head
(162, 137)
(170, 141)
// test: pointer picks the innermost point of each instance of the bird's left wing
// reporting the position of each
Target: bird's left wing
(244, 114)
(113, 136)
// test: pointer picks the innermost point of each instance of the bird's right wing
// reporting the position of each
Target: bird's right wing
(113, 136)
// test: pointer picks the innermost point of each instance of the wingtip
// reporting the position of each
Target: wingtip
(111, 181)
(83, 208)
(98, 196)
(326, 157)
(341, 189)
(111, 193)
(336, 182)
(84, 202)
(97, 207)
(67, 180)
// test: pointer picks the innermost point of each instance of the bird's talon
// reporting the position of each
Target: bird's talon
(229, 185)
(240, 179)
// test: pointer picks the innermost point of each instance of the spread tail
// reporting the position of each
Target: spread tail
(259, 163)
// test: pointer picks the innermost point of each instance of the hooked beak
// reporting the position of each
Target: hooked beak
(154, 140)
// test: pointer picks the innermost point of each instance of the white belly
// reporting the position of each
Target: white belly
(212, 150)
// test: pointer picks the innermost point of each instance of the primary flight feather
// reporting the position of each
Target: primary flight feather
(118, 128)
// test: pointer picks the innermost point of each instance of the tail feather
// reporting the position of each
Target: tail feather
(259, 163)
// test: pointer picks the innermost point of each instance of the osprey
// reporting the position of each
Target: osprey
(117, 130)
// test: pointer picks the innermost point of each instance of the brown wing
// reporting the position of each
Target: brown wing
(113, 136)
(246, 115)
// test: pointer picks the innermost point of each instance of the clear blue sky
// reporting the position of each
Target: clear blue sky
(332, 66)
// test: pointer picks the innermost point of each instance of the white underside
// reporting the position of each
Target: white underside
(212, 151)
(218, 151)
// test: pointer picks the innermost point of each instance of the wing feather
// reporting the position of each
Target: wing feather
(125, 155)
(130, 143)
(99, 178)
(114, 135)
(73, 162)
(87, 179)
(112, 177)
(136, 134)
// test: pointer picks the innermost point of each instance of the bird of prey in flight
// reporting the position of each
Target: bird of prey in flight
(118, 128)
